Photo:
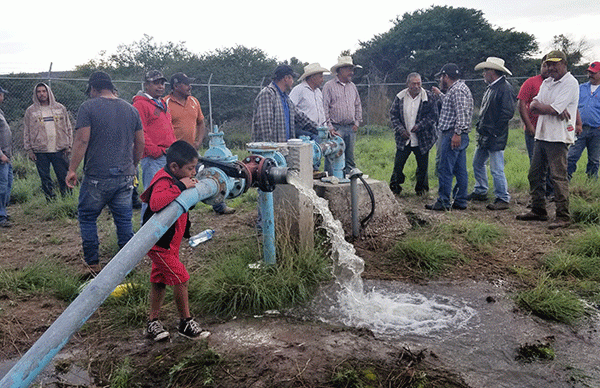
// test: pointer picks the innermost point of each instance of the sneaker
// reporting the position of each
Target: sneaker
(477, 197)
(498, 205)
(227, 210)
(531, 216)
(156, 331)
(191, 329)
(5, 223)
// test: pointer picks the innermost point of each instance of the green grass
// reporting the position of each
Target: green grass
(564, 264)
(424, 254)
(480, 235)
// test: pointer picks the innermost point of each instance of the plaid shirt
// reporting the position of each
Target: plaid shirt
(342, 103)
(457, 109)
(268, 120)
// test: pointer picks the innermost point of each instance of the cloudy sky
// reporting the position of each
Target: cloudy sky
(35, 33)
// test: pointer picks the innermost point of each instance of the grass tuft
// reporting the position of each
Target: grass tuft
(424, 254)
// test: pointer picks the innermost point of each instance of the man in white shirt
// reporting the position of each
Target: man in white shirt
(307, 96)
(556, 103)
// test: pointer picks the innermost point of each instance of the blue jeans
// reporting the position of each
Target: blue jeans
(94, 195)
(150, 167)
(590, 138)
(496, 168)
(6, 182)
(453, 163)
(349, 137)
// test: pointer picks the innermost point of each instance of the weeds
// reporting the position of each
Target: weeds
(585, 211)
(123, 375)
(424, 254)
(194, 369)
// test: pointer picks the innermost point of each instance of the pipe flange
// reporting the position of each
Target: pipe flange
(214, 174)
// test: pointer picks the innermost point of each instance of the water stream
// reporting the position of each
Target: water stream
(471, 326)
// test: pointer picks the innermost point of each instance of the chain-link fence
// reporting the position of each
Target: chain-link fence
(229, 106)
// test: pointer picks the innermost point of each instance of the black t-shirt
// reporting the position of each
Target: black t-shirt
(113, 123)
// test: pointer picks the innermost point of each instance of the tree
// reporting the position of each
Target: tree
(424, 40)
(574, 51)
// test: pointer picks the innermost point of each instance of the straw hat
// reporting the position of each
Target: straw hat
(343, 62)
(313, 68)
(493, 63)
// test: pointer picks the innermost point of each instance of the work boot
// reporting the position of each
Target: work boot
(559, 222)
(498, 205)
(532, 216)
(477, 197)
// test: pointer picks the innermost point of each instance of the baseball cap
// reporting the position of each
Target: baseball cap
(556, 56)
(449, 69)
(154, 75)
(3, 91)
(594, 67)
(283, 70)
(180, 78)
(98, 78)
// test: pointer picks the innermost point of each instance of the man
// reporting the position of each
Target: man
(497, 108)
(47, 138)
(589, 110)
(343, 109)
(276, 118)
(454, 126)
(108, 134)
(188, 120)
(308, 98)
(6, 171)
(414, 115)
(158, 130)
(556, 104)
(528, 91)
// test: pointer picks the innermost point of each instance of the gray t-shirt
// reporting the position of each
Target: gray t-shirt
(5, 137)
(113, 123)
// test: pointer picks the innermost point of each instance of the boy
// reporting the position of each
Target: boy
(167, 184)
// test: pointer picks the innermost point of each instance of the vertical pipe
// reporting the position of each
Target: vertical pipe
(77, 313)
(354, 205)
(265, 207)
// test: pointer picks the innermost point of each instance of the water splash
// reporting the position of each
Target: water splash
(383, 311)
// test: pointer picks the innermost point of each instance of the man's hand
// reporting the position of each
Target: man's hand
(436, 90)
(404, 134)
(530, 130)
(4, 159)
(355, 128)
(31, 155)
(71, 179)
(415, 128)
(578, 129)
(456, 141)
(564, 115)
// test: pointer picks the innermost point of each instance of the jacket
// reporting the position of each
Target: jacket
(427, 116)
(268, 120)
(164, 189)
(35, 136)
(497, 108)
(156, 120)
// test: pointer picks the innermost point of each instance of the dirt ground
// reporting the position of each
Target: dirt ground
(266, 351)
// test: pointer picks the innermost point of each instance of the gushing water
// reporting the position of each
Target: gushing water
(383, 311)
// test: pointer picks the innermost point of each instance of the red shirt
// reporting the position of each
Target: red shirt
(529, 90)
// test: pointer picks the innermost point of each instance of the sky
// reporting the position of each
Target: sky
(67, 33)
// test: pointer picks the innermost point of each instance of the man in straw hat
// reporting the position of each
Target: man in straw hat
(343, 109)
(275, 117)
(454, 126)
(556, 104)
(497, 108)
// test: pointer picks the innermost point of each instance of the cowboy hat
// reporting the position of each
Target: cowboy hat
(313, 68)
(493, 63)
(343, 62)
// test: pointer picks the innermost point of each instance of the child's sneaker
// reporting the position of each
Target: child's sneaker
(191, 329)
(156, 331)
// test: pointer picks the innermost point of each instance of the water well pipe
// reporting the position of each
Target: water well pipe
(77, 313)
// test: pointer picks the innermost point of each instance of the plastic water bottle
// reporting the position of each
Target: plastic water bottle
(201, 237)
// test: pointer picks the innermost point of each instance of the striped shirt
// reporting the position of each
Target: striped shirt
(342, 103)
(457, 109)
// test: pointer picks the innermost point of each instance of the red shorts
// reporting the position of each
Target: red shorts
(167, 269)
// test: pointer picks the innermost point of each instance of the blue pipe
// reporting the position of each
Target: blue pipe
(265, 205)
(58, 334)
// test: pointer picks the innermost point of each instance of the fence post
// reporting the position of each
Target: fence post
(50, 76)
(210, 104)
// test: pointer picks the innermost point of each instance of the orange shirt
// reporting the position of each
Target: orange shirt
(185, 117)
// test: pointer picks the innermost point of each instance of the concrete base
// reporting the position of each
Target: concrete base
(388, 221)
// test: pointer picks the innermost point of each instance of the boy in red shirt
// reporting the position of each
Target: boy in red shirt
(167, 184)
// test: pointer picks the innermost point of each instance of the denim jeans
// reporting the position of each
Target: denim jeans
(6, 182)
(150, 167)
(94, 195)
(59, 163)
(422, 177)
(349, 137)
(496, 159)
(453, 163)
(590, 138)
